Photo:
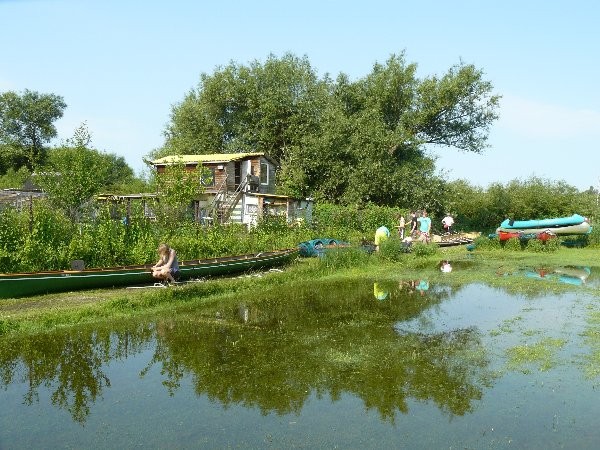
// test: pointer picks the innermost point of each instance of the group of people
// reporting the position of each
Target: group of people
(420, 228)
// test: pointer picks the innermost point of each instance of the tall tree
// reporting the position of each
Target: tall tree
(75, 173)
(342, 141)
(260, 107)
(26, 125)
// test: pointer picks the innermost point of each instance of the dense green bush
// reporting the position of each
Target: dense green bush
(351, 219)
(487, 243)
(537, 245)
(512, 244)
(393, 249)
(420, 249)
(483, 210)
(592, 239)
(345, 258)
(45, 245)
(44, 238)
(13, 229)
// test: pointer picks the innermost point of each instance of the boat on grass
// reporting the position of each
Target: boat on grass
(14, 285)
(506, 235)
(317, 247)
(580, 228)
(543, 229)
(450, 240)
(575, 219)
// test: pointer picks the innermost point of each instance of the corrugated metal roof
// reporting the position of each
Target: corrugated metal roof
(213, 158)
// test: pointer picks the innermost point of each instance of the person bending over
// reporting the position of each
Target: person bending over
(167, 267)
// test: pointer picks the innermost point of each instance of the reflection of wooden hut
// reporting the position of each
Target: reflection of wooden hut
(238, 187)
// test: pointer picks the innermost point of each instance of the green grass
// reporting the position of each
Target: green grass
(486, 266)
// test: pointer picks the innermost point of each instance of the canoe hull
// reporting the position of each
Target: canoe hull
(575, 219)
(29, 284)
(541, 235)
(581, 228)
(455, 239)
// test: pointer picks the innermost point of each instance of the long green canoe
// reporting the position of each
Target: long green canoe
(14, 285)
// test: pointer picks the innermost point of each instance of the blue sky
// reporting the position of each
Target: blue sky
(121, 65)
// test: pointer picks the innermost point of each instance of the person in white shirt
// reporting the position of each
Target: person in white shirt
(448, 222)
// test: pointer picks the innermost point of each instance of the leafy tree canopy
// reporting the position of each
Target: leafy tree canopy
(74, 173)
(349, 142)
(531, 198)
(26, 125)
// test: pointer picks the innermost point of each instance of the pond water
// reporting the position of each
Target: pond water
(368, 364)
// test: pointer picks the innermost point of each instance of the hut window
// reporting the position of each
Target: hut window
(207, 178)
(264, 173)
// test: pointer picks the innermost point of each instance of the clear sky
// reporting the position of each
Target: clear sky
(120, 65)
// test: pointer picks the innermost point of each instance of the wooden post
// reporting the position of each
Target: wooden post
(128, 215)
(30, 213)
(260, 207)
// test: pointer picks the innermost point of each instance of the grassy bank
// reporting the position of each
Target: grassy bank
(491, 267)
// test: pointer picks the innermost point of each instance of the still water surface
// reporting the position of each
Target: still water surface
(369, 364)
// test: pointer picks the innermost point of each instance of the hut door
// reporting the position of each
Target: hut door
(237, 173)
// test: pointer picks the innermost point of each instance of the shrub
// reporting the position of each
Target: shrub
(392, 249)
(537, 245)
(487, 243)
(513, 244)
(592, 239)
(552, 245)
(345, 257)
(420, 249)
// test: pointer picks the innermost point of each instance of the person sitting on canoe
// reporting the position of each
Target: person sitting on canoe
(167, 267)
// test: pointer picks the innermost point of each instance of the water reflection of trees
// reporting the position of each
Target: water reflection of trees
(273, 354)
(69, 364)
(329, 341)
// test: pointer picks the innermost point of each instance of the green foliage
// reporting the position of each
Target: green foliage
(272, 224)
(177, 188)
(48, 239)
(44, 247)
(535, 245)
(14, 179)
(477, 209)
(423, 250)
(593, 238)
(266, 106)
(13, 229)
(486, 243)
(455, 110)
(72, 177)
(539, 246)
(393, 249)
(74, 174)
(364, 220)
(351, 143)
(26, 124)
(513, 244)
(344, 258)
